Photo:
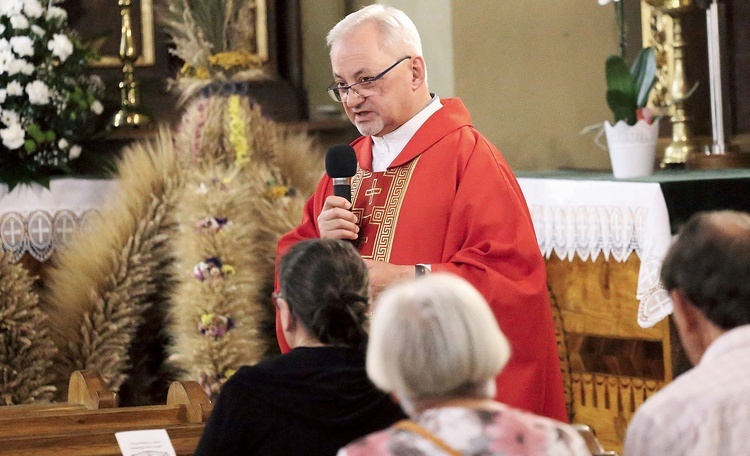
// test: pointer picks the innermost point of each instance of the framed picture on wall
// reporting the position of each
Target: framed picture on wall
(103, 19)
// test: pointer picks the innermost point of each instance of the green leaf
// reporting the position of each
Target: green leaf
(42, 179)
(622, 106)
(619, 77)
(621, 91)
(644, 74)
(19, 174)
(30, 146)
(35, 132)
(50, 136)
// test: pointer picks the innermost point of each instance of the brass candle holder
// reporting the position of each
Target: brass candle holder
(683, 144)
(129, 114)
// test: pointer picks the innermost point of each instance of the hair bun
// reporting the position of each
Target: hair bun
(343, 316)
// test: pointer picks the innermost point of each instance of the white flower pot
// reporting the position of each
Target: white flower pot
(632, 148)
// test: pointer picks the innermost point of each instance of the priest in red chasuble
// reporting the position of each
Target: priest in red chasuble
(432, 194)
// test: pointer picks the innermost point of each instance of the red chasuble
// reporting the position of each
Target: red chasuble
(451, 201)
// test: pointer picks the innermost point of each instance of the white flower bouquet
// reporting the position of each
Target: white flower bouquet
(47, 103)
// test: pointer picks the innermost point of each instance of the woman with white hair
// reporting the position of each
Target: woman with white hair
(436, 347)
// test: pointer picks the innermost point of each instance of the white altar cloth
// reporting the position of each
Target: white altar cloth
(589, 218)
(36, 220)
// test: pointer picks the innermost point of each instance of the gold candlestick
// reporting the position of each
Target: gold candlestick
(683, 144)
(129, 113)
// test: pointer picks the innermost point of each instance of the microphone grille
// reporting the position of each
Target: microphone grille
(341, 161)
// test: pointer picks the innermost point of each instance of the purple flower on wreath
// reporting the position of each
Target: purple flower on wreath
(214, 325)
(211, 224)
(210, 268)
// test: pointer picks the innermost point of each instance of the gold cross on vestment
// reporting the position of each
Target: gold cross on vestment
(372, 191)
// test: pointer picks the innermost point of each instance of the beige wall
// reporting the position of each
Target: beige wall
(531, 72)
(433, 20)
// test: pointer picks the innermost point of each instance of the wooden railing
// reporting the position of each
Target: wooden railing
(86, 424)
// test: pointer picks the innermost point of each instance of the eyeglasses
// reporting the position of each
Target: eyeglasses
(363, 88)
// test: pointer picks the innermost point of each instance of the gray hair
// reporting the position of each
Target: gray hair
(435, 337)
(398, 32)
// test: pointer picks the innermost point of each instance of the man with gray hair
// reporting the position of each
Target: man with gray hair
(432, 194)
(706, 410)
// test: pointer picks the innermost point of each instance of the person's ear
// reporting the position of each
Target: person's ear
(418, 71)
(288, 322)
(687, 316)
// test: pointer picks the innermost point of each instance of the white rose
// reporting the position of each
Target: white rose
(38, 93)
(33, 9)
(62, 143)
(16, 66)
(9, 117)
(6, 56)
(19, 22)
(4, 44)
(13, 136)
(28, 68)
(60, 46)
(14, 88)
(97, 107)
(3, 94)
(2, 29)
(75, 152)
(38, 30)
(22, 46)
(55, 12)
(10, 8)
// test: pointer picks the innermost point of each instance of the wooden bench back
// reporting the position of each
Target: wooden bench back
(87, 423)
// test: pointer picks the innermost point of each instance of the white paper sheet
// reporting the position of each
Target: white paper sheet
(152, 442)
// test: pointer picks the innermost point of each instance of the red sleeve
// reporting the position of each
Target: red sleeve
(307, 229)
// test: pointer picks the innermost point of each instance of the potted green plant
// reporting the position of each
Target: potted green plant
(628, 88)
(631, 139)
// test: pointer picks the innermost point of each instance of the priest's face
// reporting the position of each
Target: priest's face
(380, 107)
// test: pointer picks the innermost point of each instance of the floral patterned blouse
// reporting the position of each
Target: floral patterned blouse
(502, 431)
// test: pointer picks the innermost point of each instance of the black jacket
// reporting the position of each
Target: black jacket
(310, 401)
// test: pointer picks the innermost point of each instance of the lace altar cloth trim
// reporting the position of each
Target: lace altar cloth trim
(592, 218)
(36, 220)
(39, 232)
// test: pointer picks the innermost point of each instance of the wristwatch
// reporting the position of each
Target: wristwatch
(420, 270)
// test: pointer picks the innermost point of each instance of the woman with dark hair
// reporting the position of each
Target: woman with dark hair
(317, 397)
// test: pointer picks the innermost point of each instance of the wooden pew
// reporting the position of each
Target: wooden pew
(82, 431)
(86, 391)
(184, 440)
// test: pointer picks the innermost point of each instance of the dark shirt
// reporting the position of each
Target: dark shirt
(310, 401)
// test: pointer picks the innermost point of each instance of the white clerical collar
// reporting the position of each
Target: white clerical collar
(387, 147)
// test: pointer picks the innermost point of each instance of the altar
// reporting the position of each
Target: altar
(604, 240)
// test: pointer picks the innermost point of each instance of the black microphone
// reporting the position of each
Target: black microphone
(341, 165)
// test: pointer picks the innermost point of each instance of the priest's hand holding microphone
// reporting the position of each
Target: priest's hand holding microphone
(337, 221)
